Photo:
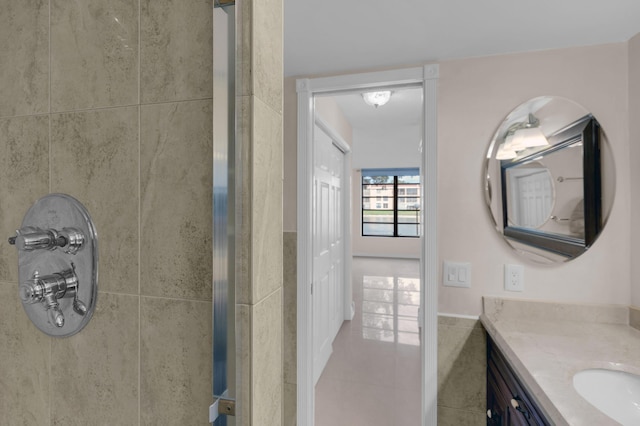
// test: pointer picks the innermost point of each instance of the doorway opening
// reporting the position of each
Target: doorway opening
(311, 243)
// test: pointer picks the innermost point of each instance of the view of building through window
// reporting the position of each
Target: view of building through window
(391, 202)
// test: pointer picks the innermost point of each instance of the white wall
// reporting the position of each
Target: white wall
(634, 140)
(474, 96)
(328, 109)
(386, 147)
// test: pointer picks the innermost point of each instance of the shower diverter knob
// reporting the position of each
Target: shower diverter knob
(48, 289)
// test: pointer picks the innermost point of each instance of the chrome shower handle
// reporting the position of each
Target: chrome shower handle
(48, 289)
(31, 238)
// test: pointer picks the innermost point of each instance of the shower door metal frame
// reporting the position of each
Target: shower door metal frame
(224, 214)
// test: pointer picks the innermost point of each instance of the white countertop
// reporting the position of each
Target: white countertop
(547, 343)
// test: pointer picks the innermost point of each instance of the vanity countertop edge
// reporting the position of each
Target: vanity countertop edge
(547, 343)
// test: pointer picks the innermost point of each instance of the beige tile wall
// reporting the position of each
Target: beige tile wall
(290, 281)
(462, 363)
(111, 103)
(259, 261)
(634, 317)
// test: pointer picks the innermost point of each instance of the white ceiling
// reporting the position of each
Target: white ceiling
(334, 36)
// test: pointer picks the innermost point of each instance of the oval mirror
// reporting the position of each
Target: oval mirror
(549, 179)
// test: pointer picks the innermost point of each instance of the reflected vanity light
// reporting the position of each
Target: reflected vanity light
(376, 99)
(506, 154)
(521, 136)
(530, 137)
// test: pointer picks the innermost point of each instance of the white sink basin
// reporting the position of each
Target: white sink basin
(615, 393)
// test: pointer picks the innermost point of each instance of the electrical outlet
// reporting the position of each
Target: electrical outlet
(514, 277)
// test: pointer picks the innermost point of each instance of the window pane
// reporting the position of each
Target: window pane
(412, 191)
(409, 179)
(408, 203)
(406, 230)
(377, 190)
(377, 179)
(411, 216)
(377, 229)
(377, 216)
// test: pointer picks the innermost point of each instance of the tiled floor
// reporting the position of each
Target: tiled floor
(373, 375)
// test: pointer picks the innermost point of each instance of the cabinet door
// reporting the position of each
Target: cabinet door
(496, 402)
(505, 394)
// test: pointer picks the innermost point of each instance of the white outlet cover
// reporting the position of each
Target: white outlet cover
(514, 277)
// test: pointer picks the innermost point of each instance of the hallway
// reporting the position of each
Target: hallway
(373, 377)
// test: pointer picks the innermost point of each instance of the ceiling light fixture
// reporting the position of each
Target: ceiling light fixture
(376, 99)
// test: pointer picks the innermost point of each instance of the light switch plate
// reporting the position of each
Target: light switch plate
(456, 274)
(514, 277)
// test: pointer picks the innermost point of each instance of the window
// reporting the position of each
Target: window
(400, 216)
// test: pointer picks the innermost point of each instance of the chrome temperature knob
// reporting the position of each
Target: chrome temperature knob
(48, 289)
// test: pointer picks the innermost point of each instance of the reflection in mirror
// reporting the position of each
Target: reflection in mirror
(549, 179)
(531, 195)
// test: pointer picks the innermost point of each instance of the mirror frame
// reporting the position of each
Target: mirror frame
(587, 129)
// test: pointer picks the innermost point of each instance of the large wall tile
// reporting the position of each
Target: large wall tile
(94, 54)
(176, 45)
(267, 56)
(244, 285)
(175, 359)
(260, 68)
(24, 63)
(259, 136)
(24, 173)
(634, 317)
(456, 417)
(176, 193)
(95, 372)
(289, 410)
(243, 48)
(290, 308)
(266, 361)
(462, 364)
(24, 365)
(243, 364)
(266, 204)
(94, 157)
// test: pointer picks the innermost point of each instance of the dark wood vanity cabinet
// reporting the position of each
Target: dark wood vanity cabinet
(507, 402)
